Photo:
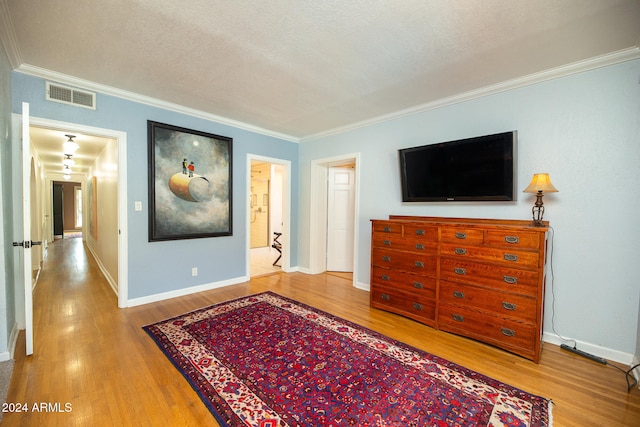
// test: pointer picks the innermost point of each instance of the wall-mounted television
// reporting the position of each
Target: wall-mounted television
(482, 168)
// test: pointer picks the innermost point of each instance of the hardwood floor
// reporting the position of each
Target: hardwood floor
(94, 365)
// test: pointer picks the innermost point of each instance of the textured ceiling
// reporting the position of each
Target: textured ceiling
(302, 68)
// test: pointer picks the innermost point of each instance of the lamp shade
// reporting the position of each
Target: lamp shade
(540, 182)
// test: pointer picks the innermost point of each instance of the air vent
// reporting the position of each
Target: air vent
(71, 96)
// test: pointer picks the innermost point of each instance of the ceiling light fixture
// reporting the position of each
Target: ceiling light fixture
(70, 146)
(68, 161)
(67, 172)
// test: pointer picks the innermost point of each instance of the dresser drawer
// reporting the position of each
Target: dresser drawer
(411, 283)
(513, 239)
(420, 232)
(387, 227)
(501, 303)
(406, 304)
(503, 278)
(409, 262)
(391, 241)
(505, 333)
(472, 236)
(510, 257)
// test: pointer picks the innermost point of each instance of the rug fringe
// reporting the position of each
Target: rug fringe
(550, 412)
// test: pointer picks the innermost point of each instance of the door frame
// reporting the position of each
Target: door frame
(319, 204)
(121, 140)
(286, 211)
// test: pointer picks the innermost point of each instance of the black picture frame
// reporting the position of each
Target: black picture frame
(190, 183)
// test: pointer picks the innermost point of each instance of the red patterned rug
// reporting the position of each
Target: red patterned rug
(266, 360)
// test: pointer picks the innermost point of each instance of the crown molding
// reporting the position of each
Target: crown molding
(147, 100)
(551, 74)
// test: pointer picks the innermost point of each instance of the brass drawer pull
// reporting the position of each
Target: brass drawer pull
(417, 306)
(511, 239)
(460, 235)
(458, 294)
(385, 277)
(510, 257)
(511, 279)
(386, 258)
(387, 229)
(458, 318)
(459, 270)
(508, 332)
(419, 264)
(460, 251)
(418, 285)
(419, 246)
(385, 297)
(420, 232)
(386, 242)
(508, 305)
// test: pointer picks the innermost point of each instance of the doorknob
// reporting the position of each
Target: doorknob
(27, 244)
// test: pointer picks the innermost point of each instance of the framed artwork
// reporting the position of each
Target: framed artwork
(189, 183)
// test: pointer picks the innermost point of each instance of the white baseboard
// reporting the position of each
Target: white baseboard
(596, 350)
(194, 289)
(105, 273)
(362, 286)
(11, 345)
(185, 291)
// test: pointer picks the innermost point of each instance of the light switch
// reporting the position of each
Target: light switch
(138, 206)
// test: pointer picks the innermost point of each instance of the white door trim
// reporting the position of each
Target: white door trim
(123, 246)
(318, 215)
(285, 239)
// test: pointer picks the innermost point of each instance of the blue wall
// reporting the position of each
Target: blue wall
(584, 130)
(7, 251)
(160, 267)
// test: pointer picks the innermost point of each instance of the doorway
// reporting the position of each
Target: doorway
(58, 211)
(268, 215)
(320, 249)
(340, 218)
(67, 209)
(111, 249)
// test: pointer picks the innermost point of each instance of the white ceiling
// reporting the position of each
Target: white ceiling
(304, 68)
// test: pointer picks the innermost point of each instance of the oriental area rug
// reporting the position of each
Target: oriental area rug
(268, 361)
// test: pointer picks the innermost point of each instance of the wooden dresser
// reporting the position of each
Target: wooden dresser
(481, 278)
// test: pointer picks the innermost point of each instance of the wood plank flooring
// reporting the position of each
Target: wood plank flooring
(94, 365)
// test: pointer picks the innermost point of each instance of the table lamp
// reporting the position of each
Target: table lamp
(540, 184)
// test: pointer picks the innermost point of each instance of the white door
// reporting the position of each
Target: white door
(340, 219)
(26, 242)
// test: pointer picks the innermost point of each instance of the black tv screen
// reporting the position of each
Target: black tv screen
(473, 169)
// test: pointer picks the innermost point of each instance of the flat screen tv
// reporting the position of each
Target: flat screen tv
(473, 169)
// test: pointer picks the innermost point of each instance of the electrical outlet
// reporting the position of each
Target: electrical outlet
(194, 271)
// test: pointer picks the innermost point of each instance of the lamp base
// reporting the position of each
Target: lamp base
(538, 210)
